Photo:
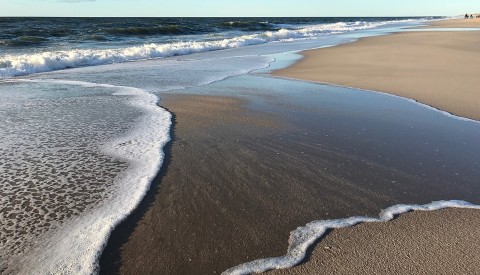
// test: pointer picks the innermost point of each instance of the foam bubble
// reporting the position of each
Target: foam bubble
(76, 246)
(51, 169)
(303, 237)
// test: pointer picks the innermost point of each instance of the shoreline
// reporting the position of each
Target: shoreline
(202, 220)
(328, 254)
(246, 159)
(110, 260)
(390, 64)
(255, 166)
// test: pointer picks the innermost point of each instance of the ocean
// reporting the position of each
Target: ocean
(82, 133)
(32, 45)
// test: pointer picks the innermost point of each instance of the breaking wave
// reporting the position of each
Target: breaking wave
(15, 65)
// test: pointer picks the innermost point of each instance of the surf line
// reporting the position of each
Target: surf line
(76, 247)
(305, 236)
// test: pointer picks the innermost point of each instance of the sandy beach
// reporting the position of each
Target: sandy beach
(238, 179)
(439, 69)
(155, 139)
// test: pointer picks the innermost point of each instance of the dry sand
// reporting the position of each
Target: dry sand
(438, 242)
(440, 69)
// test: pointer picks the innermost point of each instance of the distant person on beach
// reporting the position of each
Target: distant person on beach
(466, 15)
(471, 16)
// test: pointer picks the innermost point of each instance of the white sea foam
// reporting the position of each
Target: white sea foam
(303, 237)
(76, 247)
(14, 65)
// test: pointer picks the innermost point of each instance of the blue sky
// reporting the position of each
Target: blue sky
(162, 8)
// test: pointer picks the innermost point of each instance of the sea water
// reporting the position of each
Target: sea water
(81, 146)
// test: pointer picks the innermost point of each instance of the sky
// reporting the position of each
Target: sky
(227, 8)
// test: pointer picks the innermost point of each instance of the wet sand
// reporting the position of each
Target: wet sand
(438, 242)
(233, 188)
(238, 179)
(435, 68)
(439, 69)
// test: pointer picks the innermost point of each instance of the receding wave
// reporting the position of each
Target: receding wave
(305, 236)
(15, 65)
(75, 247)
